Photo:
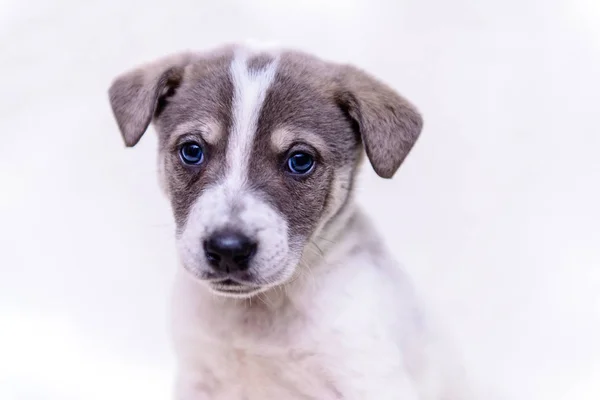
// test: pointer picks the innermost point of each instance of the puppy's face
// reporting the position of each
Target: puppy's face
(257, 153)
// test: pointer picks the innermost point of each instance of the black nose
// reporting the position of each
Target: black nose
(229, 251)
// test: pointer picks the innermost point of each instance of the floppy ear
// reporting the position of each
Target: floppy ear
(389, 125)
(135, 96)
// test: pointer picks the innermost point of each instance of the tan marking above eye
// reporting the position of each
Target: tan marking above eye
(283, 138)
(211, 132)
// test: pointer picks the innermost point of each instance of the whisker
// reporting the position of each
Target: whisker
(310, 273)
(315, 252)
(320, 251)
(266, 301)
(325, 239)
(259, 296)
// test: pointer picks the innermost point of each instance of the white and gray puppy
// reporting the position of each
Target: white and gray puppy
(286, 292)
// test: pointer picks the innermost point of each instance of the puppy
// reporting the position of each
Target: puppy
(285, 290)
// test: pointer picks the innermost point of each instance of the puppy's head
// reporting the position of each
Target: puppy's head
(257, 152)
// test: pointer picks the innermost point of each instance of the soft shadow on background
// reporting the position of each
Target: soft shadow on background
(495, 213)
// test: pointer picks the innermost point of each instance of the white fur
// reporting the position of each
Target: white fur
(249, 93)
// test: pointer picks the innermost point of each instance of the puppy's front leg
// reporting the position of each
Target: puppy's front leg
(394, 385)
(195, 388)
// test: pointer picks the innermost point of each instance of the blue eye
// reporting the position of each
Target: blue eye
(300, 163)
(191, 153)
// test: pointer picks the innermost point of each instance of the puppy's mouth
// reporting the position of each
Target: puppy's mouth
(232, 288)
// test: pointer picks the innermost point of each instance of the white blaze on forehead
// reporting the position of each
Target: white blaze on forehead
(249, 92)
(214, 209)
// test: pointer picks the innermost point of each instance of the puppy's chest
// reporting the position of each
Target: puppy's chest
(289, 355)
(316, 348)
(288, 361)
(234, 373)
(251, 356)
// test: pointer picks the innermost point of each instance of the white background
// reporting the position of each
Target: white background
(496, 212)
